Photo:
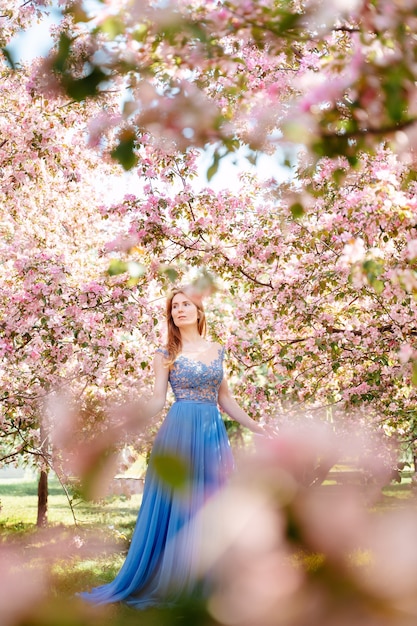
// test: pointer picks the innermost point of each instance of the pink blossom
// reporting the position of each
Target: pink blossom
(406, 352)
(353, 251)
(412, 249)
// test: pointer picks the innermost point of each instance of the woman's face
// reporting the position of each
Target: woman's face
(183, 311)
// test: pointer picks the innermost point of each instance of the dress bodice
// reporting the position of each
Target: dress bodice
(194, 380)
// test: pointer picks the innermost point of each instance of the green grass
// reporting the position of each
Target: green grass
(106, 526)
(109, 524)
(399, 494)
(393, 495)
(19, 503)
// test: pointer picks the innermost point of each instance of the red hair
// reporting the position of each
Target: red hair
(174, 343)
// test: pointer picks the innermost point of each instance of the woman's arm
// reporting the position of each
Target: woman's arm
(229, 405)
(140, 411)
(156, 402)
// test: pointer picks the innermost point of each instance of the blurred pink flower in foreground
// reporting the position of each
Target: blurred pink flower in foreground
(21, 588)
(27, 580)
(87, 444)
(283, 550)
(280, 547)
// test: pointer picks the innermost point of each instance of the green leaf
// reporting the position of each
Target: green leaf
(287, 22)
(81, 88)
(372, 268)
(204, 283)
(197, 31)
(339, 174)
(92, 479)
(212, 170)
(117, 267)
(395, 90)
(378, 285)
(297, 210)
(414, 374)
(112, 26)
(64, 47)
(140, 32)
(124, 151)
(8, 56)
(352, 159)
(171, 469)
(252, 158)
(170, 272)
(78, 14)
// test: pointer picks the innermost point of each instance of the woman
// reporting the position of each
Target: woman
(193, 445)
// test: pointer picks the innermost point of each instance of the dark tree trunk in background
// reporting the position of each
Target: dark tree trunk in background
(42, 499)
(43, 478)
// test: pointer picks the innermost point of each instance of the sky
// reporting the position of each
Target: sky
(36, 42)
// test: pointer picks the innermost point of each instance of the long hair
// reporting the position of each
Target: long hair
(174, 343)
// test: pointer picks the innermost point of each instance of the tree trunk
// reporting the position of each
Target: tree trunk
(42, 499)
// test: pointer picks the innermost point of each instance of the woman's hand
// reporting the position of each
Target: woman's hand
(229, 405)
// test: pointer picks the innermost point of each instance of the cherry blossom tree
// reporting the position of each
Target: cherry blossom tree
(336, 77)
(67, 325)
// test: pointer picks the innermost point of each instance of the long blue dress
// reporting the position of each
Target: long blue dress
(192, 442)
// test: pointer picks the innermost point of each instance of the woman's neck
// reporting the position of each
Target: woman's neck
(190, 337)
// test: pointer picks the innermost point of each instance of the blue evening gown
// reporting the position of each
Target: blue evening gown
(159, 569)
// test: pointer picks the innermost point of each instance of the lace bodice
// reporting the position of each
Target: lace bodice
(194, 380)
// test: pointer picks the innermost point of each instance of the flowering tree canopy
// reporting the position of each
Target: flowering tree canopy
(323, 267)
(336, 77)
(66, 324)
